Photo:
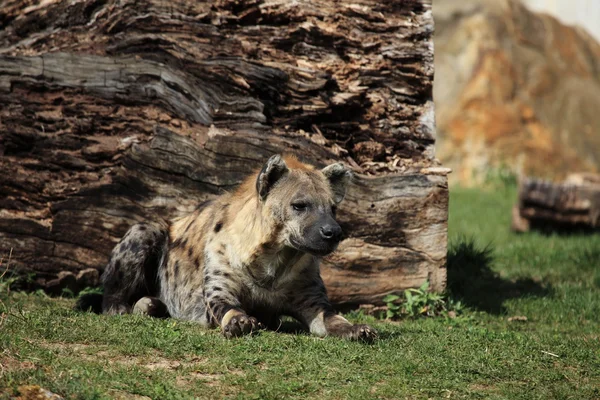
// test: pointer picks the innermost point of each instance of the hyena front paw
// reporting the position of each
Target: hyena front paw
(361, 332)
(241, 325)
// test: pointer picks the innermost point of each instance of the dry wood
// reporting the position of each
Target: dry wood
(574, 203)
(113, 112)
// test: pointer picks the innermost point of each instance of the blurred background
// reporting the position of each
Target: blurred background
(517, 87)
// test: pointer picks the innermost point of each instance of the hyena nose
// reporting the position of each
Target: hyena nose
(331, 232)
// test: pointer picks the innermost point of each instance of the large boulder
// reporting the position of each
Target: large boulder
(514, 89)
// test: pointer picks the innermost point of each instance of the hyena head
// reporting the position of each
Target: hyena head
(301, 201)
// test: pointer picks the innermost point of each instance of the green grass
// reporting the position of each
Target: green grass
(552, 280)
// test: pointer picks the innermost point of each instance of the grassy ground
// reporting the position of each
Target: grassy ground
(553, 281)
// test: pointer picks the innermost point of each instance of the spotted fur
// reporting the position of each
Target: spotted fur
(241, 261)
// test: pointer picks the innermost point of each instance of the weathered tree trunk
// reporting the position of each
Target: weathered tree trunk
(113, 112)
(573, 204)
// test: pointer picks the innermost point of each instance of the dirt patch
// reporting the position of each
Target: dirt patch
(10, 363)
(123, 395)
(152, 361)
(162, 364)
(72, 347)
(188, 371)
(86, 352)
(207, 379)
(482, 387)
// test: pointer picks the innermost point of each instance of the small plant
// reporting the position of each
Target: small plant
(91, 290)
(68, 293)
(6, 281)
(421, 303)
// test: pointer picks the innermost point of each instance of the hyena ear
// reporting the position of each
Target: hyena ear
(339, 176)
(271, 172)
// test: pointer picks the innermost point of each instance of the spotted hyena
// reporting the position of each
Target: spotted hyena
(242, 260)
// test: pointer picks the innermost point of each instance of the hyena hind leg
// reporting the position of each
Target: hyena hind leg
(132, 270)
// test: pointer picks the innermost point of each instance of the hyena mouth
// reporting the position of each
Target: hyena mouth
(317, 249)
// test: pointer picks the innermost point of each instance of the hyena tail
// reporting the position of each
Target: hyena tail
(132, 271)
(89, 302)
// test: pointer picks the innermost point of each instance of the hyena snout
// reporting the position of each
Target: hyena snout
(323, 237)
(331, 232)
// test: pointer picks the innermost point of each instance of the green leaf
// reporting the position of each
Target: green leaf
(390, 298)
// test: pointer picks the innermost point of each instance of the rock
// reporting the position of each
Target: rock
(517, 318)
(64, 275)
(514, 89)
(64, 280)
(31, 392)
(53, 287)
(89, 277)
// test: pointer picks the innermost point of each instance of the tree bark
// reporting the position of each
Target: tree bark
(114, 112)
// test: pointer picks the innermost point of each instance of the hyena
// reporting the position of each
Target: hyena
(241, 261)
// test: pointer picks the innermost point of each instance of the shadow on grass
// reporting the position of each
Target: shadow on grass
(472, 280)
(291, 326)
(548, 228)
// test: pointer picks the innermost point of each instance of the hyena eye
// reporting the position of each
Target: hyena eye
(299, 206)
(333, 210)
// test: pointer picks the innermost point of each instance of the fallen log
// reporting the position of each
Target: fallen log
(572, 204)
(118, 112)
